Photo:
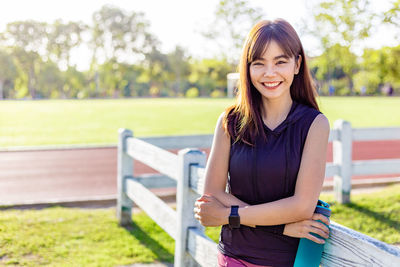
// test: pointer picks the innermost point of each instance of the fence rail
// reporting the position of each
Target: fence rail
(345, 247)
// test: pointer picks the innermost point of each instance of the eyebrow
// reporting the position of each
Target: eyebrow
(275, 58)
(281, 56)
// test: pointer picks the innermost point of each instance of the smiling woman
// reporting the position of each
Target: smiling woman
(272, 145)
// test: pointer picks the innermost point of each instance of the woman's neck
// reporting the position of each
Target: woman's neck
(275, 111)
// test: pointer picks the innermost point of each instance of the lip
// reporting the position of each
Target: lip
(267, 85)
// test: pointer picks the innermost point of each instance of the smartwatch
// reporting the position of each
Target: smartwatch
(234, 218)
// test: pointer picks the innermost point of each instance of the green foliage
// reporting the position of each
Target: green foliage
(116, 32)
(127, 60)
(209, 75)
(233, 20)
(392, 16)
(368, 79)
(342, 22)
(192, 92)
(217, 93)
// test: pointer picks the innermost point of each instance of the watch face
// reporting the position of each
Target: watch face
(234, 221)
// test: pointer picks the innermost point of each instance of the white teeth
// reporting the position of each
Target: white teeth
(271, 84)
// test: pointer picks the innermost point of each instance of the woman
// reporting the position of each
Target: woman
(272, 145)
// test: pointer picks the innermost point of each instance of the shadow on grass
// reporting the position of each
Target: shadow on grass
(377, 215)
(146, 240)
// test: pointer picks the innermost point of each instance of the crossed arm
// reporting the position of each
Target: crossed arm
(296, 212)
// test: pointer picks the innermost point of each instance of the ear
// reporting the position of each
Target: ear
(298, 64)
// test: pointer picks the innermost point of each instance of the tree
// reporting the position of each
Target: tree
(344, 67)
(8, 71)
(62, 38)
(179, 69)
(118, 35)
(28, 40)
(392, 16)
(208, 75)
(383, 63)
(233, 20)
(342, 24)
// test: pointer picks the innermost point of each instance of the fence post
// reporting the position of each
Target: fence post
(185, 198)
(124, 169)
(342, 156)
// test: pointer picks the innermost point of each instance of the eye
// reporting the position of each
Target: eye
(257, 63)
(281, 62)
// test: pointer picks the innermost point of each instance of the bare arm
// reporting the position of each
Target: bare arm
(217, 168)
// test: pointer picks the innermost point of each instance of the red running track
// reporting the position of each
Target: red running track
(63, 174)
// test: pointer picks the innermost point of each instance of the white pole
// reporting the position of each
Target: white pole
(185, 198)
(342, 156)
(232, 81)
(124, 169)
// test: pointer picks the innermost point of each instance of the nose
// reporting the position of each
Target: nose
(269, 70)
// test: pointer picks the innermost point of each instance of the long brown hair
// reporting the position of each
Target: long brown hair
(243, 120)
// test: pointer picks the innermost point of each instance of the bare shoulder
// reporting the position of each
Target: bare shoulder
(320, 124)
(319, 131)
(220, 124)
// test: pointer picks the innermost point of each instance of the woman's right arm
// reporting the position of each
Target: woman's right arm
(216, 173)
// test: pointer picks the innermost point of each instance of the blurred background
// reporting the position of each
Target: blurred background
(114, 49)
(73, 72)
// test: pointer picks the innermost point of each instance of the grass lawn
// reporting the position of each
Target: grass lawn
(84, 237)
(52, 122)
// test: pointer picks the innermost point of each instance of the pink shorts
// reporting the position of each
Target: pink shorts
(226, 261)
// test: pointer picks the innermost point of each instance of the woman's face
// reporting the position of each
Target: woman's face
(273, 73)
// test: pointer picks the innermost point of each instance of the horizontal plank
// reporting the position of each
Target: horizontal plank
(372, 167)
(333, 135)
(156, 181)
(157, 158)
(158, 210)
(331, 169)
(196, 181)
(202, 248)
(376, 134)
(180, 141)
(346, 247)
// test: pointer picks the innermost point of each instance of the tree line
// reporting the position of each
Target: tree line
(126, 60)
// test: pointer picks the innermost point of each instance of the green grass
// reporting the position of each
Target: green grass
(79, 237)
(83, 237)
(52, 122)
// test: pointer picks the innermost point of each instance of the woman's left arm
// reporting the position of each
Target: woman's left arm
(302, 204)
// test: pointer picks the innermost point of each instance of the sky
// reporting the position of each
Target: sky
(174, 22)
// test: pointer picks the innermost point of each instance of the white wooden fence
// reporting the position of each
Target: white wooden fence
(345, 247)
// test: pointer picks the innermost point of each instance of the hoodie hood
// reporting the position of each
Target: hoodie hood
(296, 112)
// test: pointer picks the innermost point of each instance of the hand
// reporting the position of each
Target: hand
(210, 212)
(303, 229)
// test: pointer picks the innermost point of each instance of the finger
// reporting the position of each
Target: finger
(319, 232)
(320, 226)
(201, 199)
(205, 197)
(314, 238)
(322, 218)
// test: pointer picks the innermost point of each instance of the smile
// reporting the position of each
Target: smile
(271, 85)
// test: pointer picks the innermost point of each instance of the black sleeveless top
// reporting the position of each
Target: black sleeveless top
(265, 173)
